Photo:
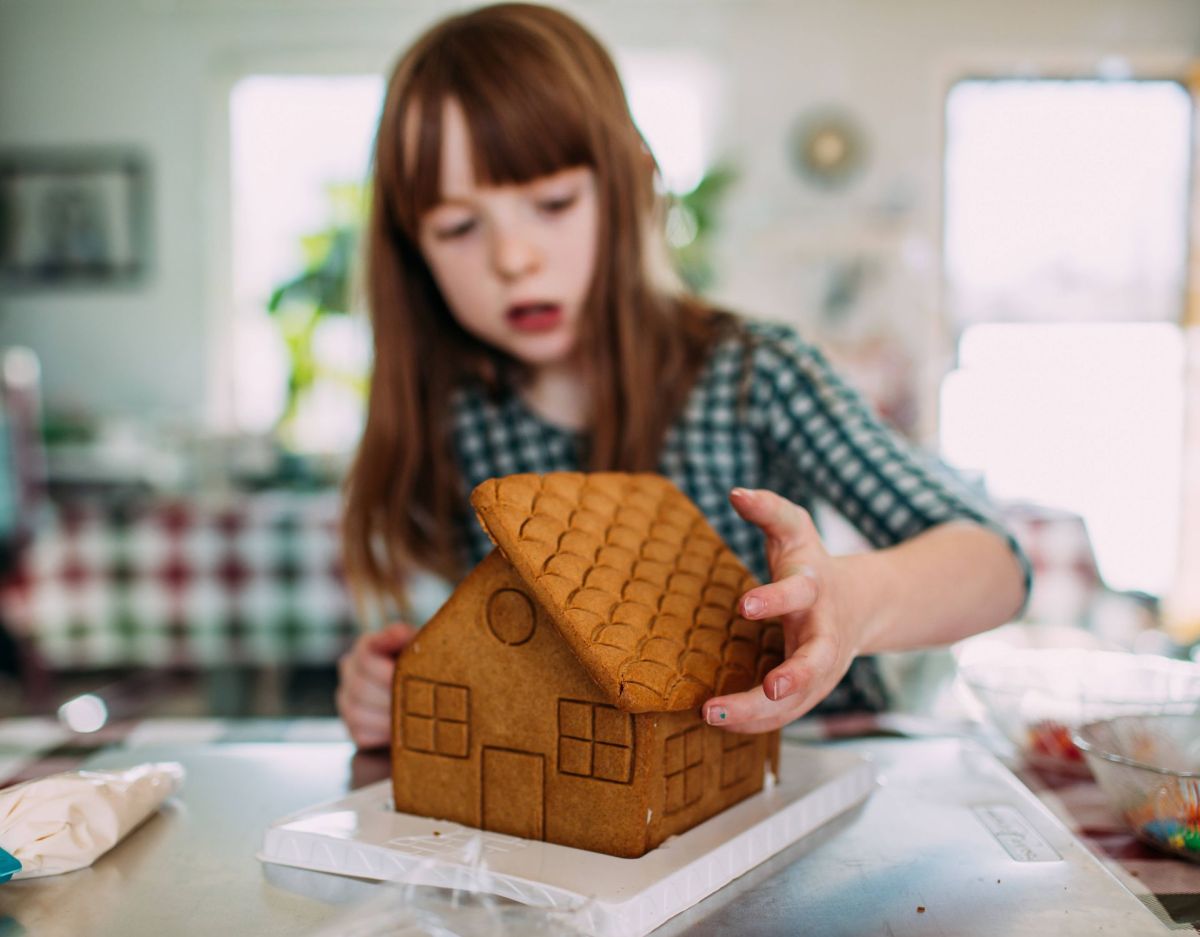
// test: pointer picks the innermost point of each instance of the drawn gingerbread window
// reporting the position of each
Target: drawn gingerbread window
(683, 766)
(595, 741)
(737, 758)
(436, 717)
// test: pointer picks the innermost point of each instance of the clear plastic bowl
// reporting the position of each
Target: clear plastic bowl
(1036, 697)
(1149, 768)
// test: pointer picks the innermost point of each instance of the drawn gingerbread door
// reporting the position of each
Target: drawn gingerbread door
(514, 792)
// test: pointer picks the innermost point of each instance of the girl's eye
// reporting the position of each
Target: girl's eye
(553, 206)
(461, 229)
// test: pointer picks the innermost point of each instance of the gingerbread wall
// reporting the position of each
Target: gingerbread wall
(498, 726)
(699, 770)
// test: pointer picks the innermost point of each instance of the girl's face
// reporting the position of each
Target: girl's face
(513, 262)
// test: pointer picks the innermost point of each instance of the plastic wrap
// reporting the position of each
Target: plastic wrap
(466, 908)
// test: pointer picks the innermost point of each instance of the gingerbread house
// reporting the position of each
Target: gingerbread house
(556, 694)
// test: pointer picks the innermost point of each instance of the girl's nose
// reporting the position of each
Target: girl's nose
(514, 255)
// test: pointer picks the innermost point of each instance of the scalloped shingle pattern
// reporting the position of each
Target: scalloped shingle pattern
(639, 584)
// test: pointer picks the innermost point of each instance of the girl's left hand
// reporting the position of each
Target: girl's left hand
(812, 597)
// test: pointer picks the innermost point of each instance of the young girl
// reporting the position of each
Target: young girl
(522, 324)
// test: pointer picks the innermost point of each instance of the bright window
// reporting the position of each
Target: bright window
(671, 97)
(1087, 418)
(1065, 253)
(293, 137)
(1066, 201)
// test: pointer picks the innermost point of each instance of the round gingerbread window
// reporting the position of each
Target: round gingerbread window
(510, 616)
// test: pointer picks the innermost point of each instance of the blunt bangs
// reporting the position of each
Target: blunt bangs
(523, 120)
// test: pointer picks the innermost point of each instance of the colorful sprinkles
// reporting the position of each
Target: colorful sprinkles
(1169, 818)
(1052, 739)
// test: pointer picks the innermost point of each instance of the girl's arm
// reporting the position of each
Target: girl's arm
(944, 567)
(948, 583)
(821, 440)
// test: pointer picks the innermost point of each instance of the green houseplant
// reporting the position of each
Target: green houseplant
(320, 290)
(691, 222)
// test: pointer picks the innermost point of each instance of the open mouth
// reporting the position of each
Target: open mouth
(534, 317)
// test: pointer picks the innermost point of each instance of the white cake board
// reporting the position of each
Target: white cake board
(361, 835)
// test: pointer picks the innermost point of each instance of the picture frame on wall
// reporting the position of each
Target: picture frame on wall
(73, 217)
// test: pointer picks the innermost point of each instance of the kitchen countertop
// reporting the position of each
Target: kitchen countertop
(949, 843)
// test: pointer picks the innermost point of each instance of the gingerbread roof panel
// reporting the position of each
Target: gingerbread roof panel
(639, 584)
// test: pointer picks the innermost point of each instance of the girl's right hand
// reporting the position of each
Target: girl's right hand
(364, 695)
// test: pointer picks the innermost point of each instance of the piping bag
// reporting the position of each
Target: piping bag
(66, 821)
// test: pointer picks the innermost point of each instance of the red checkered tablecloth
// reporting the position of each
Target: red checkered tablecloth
(256, 579)
(241, 579)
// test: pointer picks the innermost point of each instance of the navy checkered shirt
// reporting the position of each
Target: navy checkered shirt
(767, 411)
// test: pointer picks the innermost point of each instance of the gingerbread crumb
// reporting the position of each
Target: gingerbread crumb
(920, 909)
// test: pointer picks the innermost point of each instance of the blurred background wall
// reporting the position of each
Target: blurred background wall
(982, 210)
(156, 74)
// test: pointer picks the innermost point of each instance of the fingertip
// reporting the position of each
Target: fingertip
(392, 638)
(779, 686)
(753, 606)
(715, 713)
(746, 500)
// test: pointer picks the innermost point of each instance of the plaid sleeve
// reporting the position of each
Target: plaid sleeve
(822, 438)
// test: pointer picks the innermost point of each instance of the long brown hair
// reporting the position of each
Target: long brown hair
(539, 94)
